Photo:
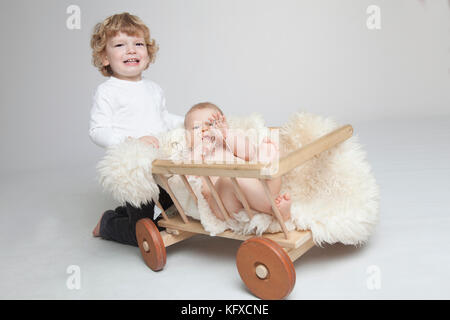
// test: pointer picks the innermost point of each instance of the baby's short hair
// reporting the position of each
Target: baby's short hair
(122, 22)
(202, 105)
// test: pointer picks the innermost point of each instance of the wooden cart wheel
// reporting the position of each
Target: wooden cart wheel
(151, 244)
(265, 268)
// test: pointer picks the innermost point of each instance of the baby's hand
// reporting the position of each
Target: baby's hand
(219, 125)
(150, 140)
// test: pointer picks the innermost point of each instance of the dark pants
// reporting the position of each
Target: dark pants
(120, 224)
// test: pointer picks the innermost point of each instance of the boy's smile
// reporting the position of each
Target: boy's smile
(127, 56)
(132, 62)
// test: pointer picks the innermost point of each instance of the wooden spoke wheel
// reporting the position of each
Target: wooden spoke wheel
(151, 244)
(265, 268)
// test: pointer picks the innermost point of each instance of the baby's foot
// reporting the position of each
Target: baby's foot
(96, 231)
(283, 203)
(268, 150)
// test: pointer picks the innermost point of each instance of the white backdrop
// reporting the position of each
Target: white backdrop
(273, 57)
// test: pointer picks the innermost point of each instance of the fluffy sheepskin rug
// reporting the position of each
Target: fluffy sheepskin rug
(125, 172)
(334, 194)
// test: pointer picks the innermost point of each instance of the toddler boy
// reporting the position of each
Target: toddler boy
(127, 105)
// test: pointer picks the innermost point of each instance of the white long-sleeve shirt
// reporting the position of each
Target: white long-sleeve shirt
(123, 108)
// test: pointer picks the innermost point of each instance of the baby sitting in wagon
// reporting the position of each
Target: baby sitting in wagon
(328, 193)
(209, 139)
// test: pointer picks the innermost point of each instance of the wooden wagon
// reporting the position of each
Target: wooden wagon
(265, 263)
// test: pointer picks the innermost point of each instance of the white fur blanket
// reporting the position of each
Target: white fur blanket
(334, 194)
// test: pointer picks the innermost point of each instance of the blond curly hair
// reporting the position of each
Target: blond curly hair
(110, 27)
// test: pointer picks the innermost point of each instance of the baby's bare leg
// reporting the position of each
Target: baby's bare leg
(206, 192)
(229, 199)
(253, 191)
(256, 196)
(226, 193)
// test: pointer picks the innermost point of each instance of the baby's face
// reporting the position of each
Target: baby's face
(198, 126)
(127, 56)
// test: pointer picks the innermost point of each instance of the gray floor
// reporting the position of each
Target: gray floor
(47, 218)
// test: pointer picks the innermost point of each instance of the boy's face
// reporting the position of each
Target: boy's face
(127, 56)
(198, 126)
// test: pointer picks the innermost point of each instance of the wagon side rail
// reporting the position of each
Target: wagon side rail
(259, 171)
(255, 170)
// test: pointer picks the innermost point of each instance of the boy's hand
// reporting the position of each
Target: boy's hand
(219, 125)
(150, 140)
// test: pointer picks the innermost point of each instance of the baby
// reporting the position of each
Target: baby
(210, 139)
